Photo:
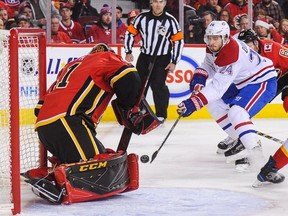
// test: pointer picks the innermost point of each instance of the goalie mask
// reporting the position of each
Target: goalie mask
(101, 47)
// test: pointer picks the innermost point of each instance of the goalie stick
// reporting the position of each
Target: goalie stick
(127, 133)
(172, 128)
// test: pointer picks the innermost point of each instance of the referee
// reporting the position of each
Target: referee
(167, 55)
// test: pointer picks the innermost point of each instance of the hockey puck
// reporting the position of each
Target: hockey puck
(144, 158)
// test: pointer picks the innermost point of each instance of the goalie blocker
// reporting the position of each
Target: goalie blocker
(140, 120)
(106, 175)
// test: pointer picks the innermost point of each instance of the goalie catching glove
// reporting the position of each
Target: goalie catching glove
(140, 120)
(190, 105)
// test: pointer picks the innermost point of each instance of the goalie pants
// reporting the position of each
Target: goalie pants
(157, 80)
(71, 139)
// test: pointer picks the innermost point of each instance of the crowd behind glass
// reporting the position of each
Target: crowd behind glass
(77, 21)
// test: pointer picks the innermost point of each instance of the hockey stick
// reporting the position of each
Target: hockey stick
(172, 128)
(270, 137)
(127, 133)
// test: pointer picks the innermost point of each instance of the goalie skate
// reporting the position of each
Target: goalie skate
(46, 189)
(225, 145)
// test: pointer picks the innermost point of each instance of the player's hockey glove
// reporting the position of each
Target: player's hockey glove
(188, 106)
(199, 80)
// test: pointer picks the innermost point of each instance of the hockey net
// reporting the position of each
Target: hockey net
(23, 79)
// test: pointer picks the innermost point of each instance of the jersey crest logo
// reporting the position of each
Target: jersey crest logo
(268, 47)
(12, 2)
(283, 52)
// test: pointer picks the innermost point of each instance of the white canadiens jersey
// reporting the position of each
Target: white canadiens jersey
(234, 63)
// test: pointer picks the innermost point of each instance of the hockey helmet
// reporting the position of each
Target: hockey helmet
(100, 47)
(217, 28)
(248, 35)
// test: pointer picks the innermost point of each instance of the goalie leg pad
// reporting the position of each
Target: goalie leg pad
(133, 168)
(104, 176)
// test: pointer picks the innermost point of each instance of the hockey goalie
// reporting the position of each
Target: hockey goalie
(82, 168)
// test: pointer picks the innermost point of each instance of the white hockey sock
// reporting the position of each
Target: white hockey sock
(243, 126)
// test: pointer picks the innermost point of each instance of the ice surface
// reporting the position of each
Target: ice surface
(186, 178)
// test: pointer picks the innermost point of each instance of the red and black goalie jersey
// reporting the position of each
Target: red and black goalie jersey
(84, 85)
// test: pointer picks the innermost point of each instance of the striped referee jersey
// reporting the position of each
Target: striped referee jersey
(148, 25)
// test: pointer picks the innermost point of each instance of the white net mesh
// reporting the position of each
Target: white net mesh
(5, 150)
(28, 62)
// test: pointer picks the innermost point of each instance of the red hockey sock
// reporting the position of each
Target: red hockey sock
(281, 157)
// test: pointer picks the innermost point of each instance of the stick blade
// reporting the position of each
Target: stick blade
(154, 156)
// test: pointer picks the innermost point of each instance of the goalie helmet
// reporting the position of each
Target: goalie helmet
(101, 47)
(248, 35)
(217, 28)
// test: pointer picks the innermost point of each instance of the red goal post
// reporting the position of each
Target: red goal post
(23, 81)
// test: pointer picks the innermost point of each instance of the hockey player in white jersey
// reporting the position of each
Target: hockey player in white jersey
(235, 83)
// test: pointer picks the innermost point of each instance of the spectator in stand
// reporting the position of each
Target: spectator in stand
(22, 21)
(131, 16)
(172, 7)
(27, 11)
(236, 8)
(211, 5)
(73, 29)
(83, 8)
(261, 14)
(38, 8)
(225, 15)
(119, 14)
(208, 17)
(4, 16)
(11, 6)
(200, 26)
(57, 3)
(101, 32)
(56, 35)
(193, 28)
(242, 23)
(2, 24)
(283, 30)
(272, 9)
(267, 31)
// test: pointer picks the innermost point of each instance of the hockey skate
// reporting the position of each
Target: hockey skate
(269, 174)
(236, 152)
(225, 145)
(242, 165)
